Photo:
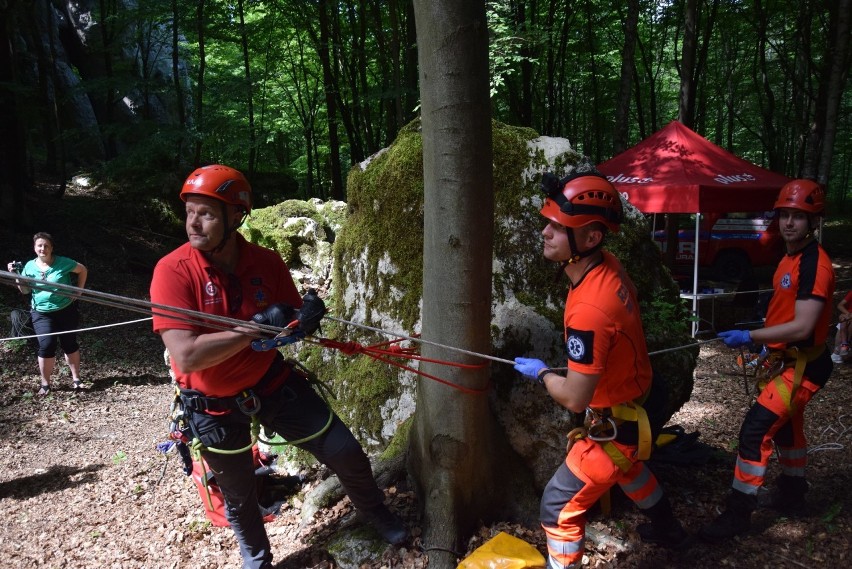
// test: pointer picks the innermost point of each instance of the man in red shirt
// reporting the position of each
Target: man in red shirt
(608, 375)
(795, 332)
(224, 383)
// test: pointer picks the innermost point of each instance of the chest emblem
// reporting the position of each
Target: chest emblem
(786, 281)
(211, 289)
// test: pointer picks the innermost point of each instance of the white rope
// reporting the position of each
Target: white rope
(225, 323)
(77, 330)
(828, 431)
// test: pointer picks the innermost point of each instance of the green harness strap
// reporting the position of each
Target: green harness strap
(196, 447)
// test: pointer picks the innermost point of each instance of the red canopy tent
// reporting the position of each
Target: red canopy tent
(677, 170)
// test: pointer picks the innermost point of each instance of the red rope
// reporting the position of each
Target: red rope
(393, 350)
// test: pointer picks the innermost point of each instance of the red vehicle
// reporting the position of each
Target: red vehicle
(730, 245)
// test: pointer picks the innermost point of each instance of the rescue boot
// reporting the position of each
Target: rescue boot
(788, 497)
(734, 521)
(386, 523)
(664, 529)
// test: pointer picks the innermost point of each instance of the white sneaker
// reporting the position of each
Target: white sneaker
(837, 358)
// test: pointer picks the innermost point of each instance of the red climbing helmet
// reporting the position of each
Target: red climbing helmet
(219, 182)
(805, 195)
(580, 199)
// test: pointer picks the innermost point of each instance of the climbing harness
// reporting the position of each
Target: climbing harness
(601, 425)
(187, 440)
(778, 361)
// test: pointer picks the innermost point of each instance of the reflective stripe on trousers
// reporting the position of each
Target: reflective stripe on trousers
(770, 424)
(585, 475)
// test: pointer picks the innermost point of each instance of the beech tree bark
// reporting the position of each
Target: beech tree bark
(459, 464)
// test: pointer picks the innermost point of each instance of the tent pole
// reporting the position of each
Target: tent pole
(695, 277)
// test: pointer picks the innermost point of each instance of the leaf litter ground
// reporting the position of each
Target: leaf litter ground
(83, 486)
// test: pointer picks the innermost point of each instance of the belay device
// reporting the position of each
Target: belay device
(306, 322)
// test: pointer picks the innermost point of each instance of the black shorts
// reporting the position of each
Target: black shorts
(67, 318)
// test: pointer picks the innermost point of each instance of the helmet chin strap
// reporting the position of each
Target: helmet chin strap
(229, 230)
(576, 256)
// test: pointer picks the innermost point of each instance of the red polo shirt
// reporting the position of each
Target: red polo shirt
(185, 279)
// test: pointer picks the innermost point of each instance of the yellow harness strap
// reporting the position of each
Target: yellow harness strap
(800, 357)
(632, 411)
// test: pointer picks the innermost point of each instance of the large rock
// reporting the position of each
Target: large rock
(377, 282)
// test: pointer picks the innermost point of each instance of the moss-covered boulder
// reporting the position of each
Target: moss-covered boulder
(377, 276)
(303, 233)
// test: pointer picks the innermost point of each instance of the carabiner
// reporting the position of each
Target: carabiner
(596, 426)
(248, 403)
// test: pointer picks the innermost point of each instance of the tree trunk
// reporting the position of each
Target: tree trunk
(686, 110)
(249, 95)
(330, 102)
(769, 135)
(836, 61)
(453, 457)
(622, 103)
(14, 183)
(199, 97)
(181, 110)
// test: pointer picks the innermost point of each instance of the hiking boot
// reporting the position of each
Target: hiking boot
(734, 521)
(664, 529)
(670, 535)
(386, 523)
(788, 498)
(727, 525)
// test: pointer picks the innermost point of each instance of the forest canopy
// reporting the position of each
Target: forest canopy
(295, 93)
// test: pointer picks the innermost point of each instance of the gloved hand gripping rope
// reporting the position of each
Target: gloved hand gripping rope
(295, 324)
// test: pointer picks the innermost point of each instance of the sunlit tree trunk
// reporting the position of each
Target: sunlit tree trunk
(458, 463)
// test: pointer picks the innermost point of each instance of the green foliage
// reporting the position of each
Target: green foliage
(504, 47)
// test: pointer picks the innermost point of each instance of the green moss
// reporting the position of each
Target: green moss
(386, 218)
(359, 385)
(399, 443)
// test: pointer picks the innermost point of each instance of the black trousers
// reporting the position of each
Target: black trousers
(295, 412)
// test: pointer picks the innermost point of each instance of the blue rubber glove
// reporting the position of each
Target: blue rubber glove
(735, 338)
(530, 367)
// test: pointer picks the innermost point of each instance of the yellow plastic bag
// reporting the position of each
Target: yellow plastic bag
(503, 551)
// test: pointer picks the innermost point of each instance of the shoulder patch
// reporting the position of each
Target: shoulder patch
(580, 345)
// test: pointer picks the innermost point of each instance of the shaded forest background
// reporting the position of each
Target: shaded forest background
(294, 93)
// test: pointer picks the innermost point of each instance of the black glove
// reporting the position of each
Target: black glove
(278, 315)
(311, 313)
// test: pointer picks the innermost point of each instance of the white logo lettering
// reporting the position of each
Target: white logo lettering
(734, 178)
(622, 179)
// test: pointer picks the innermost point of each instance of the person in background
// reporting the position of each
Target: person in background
(844, 327)
(795, 331)
(53, 311)
(608, 375)
(224, 383)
